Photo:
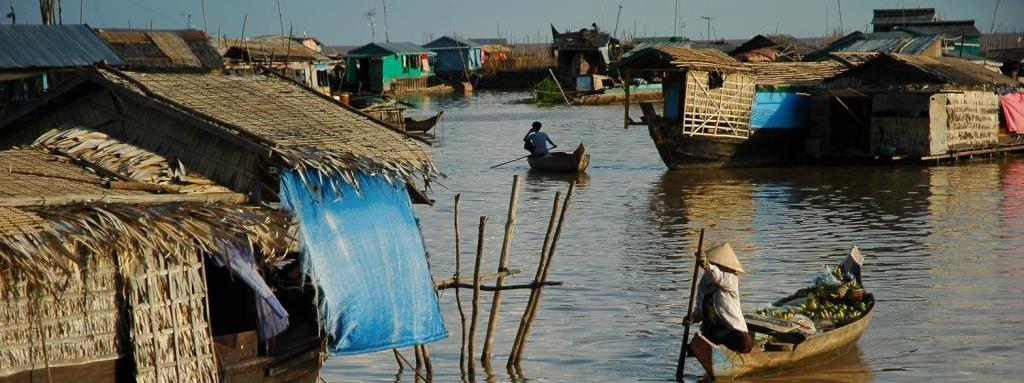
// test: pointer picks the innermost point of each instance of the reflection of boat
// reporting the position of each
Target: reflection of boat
(721, 362)
(561, 162)
(424, 125)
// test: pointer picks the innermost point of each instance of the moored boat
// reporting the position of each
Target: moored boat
(422, 126)
(561, 162)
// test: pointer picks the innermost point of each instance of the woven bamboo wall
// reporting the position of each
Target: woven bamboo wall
(170, 333)
(722, 111)
(972, 120)
(216, 159)
(409, 84)
(79, 324)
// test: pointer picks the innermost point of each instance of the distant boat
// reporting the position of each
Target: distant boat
(561, 162)
(422, 126)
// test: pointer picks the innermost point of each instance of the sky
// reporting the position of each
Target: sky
(345, 22)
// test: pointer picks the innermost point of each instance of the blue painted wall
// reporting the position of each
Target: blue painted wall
(454, 60)
(779, 110)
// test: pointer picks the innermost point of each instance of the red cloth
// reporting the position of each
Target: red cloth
(1013, 111)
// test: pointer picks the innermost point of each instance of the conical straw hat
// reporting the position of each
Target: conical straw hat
(722, 255)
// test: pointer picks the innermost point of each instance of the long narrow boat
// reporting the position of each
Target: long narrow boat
(561, 162)
(422, 126)
(720, 362)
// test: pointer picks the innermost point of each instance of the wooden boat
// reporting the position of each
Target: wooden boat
(720, 362)
(561, 162)
(422, 126)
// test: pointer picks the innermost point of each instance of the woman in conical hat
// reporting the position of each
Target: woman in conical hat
(718, 300)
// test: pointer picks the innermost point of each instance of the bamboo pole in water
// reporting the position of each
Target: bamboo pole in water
(506, 245)
(544, 274)
(458, 300)
(471, 369)
(512, 360)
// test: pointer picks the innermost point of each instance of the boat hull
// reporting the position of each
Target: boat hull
(720, 362)
(765, 147)
(561, 162)
(422, 126)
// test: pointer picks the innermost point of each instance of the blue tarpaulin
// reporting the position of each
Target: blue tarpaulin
(779, 110)
(364, 251)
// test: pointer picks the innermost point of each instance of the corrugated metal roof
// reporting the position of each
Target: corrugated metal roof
(52, 46)
(384, 49)
(451, 42)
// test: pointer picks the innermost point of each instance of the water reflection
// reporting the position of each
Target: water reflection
(943, 247)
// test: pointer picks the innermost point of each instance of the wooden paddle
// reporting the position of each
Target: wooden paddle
(506, 162)
(689, 309)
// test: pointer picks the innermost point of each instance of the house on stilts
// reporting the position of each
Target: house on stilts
(167, 196)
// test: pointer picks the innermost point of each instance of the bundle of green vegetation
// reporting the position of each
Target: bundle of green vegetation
(828, 302)
(547, 93)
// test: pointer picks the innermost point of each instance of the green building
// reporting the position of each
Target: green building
(388, 67)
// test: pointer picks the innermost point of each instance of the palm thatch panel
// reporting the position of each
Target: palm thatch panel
(33, 173)
(171, 339)
(130, 161)
(79, 325)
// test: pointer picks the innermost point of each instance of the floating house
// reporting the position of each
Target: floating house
(388, 67)
(907, 106)
(762, 48)
(705, 119)
(902, 42)
(240, 158)
(163, 50)
(587, 51)
(36, 58)
(782, 97)
(959, 36)
(285, 55)
(455, 56)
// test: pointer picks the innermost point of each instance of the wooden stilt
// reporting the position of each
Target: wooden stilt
(544, 274)
(426, 362)
(458, 299)
(512, 359)
(418, 352)
(471, 369)
(625, 122)
(506, 245)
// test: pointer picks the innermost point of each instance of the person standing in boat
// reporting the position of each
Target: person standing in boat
(717, 305)
(537, 141)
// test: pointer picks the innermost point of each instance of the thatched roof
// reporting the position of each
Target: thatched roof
(922, 73)
(271, 49)
(187, 49)
(54, 212)
(785, 45)
(129, 161)
(679, 58)
(302, 127)
(795, 73)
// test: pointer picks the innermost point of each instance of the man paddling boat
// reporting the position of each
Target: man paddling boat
(717, 305)
(537, 141)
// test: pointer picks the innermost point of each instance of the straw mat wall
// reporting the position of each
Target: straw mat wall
(972, 119)
(79, 325)
(721, 111)
(170, 334)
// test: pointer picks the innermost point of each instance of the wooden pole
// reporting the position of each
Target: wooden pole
(418, 353)
(458, 299)
(625, 120)
(544, 273)
(512, 359)
(506, 245)
(426, 362)
(471, 369)
(398, 358)
(689, 308)
(564, 97)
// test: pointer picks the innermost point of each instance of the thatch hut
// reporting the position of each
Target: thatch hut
(291, 58)
(912, 106)
(104, 278)
(177, 50)
(256, 136)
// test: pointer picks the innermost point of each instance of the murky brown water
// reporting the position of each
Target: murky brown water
(944, 248)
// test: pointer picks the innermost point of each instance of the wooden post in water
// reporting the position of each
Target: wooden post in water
(512, 358)
(629, 77)
(418, 353)
(458, 299)
(689, 308)
(506, 245)
(471, 369)
(544, 274)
